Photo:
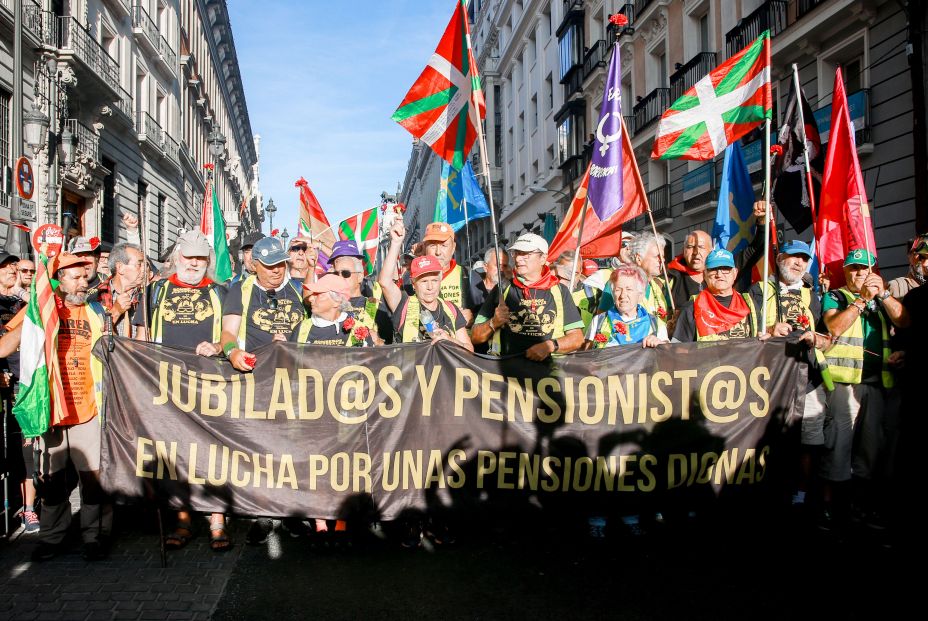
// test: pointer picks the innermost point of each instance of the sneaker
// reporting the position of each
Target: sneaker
(296, 527)
(46, 552)
(30, 521)
(259, 531)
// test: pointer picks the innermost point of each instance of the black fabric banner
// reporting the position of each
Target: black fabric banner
(326, 431)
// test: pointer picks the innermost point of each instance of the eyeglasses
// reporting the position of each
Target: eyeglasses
(25, 271)
(343, 273)
(722, 270)
(299, 248)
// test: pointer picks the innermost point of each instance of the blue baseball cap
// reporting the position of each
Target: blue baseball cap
(796, 246)
(344, 248)
(720, 258)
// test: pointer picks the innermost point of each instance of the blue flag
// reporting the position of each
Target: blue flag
(459, 190)
(734, 219)
(605, 188)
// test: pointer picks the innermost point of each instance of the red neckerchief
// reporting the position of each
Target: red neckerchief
(546, 282)
(678, 265)
(713, 318)
(174, 280)
(451, 266)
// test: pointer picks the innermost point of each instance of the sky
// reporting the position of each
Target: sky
(321, 80)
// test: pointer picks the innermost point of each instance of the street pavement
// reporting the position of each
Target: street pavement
(711, 567)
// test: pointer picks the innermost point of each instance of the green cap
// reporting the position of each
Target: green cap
(859, 257)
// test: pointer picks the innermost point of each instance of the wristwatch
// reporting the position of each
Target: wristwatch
(556, 346)
(885, 294)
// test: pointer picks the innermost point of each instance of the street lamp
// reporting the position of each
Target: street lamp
(537, 189)
(271, 209)
(35, 128)
(217, 143)
(284, 237)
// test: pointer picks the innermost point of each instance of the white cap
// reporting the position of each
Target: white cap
(480, 267)
(193, 244)
(529, 242)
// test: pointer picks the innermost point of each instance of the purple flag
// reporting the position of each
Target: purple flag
(605, 191)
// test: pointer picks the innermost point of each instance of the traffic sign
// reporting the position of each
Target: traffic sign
(25, 180)
(51, 237)
(26, 211)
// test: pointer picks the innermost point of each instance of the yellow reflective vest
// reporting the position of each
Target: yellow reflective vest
(558, 332)
(157, 317)
(247, 286)
(846, 358)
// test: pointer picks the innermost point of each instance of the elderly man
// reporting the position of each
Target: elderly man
(120, 294)
(89, 248)
(718, 312)
(25, 271)
(426, 315)
(918, 269)
(185, 311)
(303, 255)
(262, 308)
(455, 282)
(860, 315)
(544, 319)
(246, 256)
(74, 434)
(479, 288)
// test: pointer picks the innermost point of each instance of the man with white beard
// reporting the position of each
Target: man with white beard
(185, 311)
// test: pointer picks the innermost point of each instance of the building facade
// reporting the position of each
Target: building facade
(133, 91)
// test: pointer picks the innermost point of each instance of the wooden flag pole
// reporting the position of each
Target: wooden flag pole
(663, 262)
(466, 223)
(766, 259)
(805, 151)
(485, 166)
(573, 271)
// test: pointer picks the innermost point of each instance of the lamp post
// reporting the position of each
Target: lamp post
(271, 209)
(284, 237)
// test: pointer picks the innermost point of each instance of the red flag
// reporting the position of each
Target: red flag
(844, 218)
(602, 239)
(313, 222)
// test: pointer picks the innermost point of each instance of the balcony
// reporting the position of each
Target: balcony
(771, 15)
(659, 201)
(687, 75)
(124, 106)
(150, 132)
(572, 6)
(699, 187)
(32, 18)
(167, 55)
(573, 82)
(145, 30)
(86, 141)
(629, 124)
(97, 71)
(805, 6)
(171, 150)
(651, 107)
(574, 167)
(121, 7)
(596, 57)
(858, 104)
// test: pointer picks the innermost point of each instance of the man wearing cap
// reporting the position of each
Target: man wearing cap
(535, 315)
(89, 248)
(74, 433)
(439, 242)
(331, 321)
(185, 311)
(480, 287)
(303, 255)
(120, 294)
(425, 316)
(718, 312)
(859, 316)
(263, 307)
(246, 256)
(918, 269)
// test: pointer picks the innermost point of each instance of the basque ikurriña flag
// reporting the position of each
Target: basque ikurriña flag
(445, 106)
(605, 188)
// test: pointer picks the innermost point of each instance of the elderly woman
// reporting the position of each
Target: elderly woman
(331, 321)
(629, 322)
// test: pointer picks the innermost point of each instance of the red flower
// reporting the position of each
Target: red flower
(348, 323)
(600, 338)
(776, 149)
(620, 327)
(275, 232)
(661, 312)
(400, 208)
(208, 166)
(362, 333)
(94, 243)
(803, 320)
(618, 19)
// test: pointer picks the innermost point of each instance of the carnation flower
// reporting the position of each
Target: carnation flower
(620, 327)
(661, 312)
(600, 338)
(618, 19)
(348, 323)
(776, 149)
(362, 333)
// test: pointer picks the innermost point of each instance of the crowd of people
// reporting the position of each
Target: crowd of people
(520, 301)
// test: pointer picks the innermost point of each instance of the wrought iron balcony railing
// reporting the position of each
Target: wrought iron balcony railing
(597, 56)
(659, 201)
(149, 130)
(651, 107)
(687, 75)
(771, 15)
(75, 37)
(143, 23)
(86, 141)
(168, 53)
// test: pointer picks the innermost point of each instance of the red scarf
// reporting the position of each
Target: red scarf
(451, 266)
(713, 318)
(546, 282)
(174, 280)
(678, 265)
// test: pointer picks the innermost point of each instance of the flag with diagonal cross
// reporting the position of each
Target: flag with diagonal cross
(445, 106)
(720, 108)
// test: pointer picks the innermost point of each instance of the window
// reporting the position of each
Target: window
(571, 134)
(570, 48)
(5, 155)
(533, 111)
(852, 73)
(549, 91)
(704, 45)
(108, 213)
(521, 129)
(160, 214)
(497, 126)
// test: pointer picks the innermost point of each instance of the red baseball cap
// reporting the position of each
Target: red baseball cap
(424, 265)
(589, 267)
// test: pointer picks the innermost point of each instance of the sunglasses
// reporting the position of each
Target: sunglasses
(723, 270)
(272, 300)
(299, 248)
(25, 271)
(343, 273)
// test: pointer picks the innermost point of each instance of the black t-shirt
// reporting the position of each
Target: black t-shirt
(531, 319)
(683, 288)
(262, 320)
(9, 306)
(916, 342)
(440, 317)
(186, 314)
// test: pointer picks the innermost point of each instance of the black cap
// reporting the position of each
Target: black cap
(6, 257)
(251, 239)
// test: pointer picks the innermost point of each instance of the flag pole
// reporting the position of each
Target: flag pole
(573, 271)
(663, 262)
(766, 259)
(467, 224)
(805, 150)
(485, 165)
